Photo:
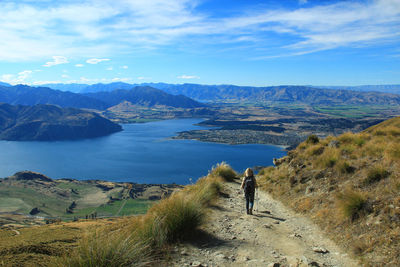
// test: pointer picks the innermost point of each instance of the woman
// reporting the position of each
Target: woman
(249, 185)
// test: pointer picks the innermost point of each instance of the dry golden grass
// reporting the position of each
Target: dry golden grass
(352, 204)
(224, 171)
(356, 181)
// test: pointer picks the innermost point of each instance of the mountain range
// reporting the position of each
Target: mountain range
(86, 88)
(146, 96)
(103, 96)
(285, 93)
(49, 123)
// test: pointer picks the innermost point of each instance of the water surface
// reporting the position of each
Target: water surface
(142, 153)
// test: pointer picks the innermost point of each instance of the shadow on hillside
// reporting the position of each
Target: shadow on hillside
(202, 239)
(261, 214)
(224, 195)
(216, 207)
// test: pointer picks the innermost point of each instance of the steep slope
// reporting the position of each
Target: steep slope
(145, 96)
(350, 186)
(48, 122)
(26, 95)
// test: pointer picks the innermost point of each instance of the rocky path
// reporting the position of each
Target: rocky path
(273, 236)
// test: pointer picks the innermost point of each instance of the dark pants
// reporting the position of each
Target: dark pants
(249, 200)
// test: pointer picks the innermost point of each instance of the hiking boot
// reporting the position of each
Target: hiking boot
(251, 212)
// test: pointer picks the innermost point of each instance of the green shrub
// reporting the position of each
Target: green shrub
(353, 204)
(376, 174)
(225, 171)
(312, 139)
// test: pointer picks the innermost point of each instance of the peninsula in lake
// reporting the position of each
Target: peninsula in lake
(50, 123)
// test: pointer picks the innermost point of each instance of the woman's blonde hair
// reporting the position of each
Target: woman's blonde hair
(248, 172)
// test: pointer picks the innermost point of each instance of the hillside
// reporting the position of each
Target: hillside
(50, 123)
(145, 96)
(350, 186)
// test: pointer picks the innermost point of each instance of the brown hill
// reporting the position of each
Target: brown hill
(350, 186)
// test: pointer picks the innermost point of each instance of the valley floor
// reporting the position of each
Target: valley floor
(273, 236)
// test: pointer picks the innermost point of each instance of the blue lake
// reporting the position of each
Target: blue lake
(142, 153)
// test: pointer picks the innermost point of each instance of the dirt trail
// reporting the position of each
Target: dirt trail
(273, 236)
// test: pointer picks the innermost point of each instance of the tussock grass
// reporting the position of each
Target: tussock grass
(312, 139)
(140, 239)
(344, 167)
(172, 220)
(328, 159)
(352, 204)
(104, 248)
(375, 174)
(315, 150)
(224, 171)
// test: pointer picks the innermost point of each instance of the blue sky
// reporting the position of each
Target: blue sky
(243, 42)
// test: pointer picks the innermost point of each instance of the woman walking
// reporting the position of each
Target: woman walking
(249, 185)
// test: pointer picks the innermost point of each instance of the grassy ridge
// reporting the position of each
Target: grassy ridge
(350, 185)
(142, 240)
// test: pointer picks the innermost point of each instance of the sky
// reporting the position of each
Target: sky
(242, 42)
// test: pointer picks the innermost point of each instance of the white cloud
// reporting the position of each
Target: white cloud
(143, 78)
(125, 67)
(96, 60)
(188, 77)
(302, 2)
(24, 74)
(21, 77)
(109, 68)
(79, 65)
(126, 26)
(65, 76)
(57, 60)
(121, 79)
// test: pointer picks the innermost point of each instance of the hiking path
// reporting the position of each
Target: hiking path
(273, 236)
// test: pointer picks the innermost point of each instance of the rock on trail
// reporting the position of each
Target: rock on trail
(273, 236)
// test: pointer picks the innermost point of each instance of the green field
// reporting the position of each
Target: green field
(53, 200)
(350, 111)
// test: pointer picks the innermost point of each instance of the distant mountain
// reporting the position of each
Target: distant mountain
(385, 88)
(4, 84)
(145, 96)
(329, 95)
(50, 123)
(72, 87)
(101, 87)
(285, 93)
(26, 95)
